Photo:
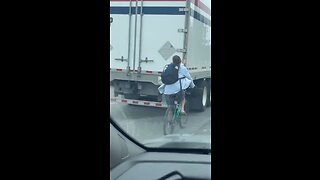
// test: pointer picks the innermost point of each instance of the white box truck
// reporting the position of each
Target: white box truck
(145, 35)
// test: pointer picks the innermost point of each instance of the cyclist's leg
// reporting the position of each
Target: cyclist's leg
(183, 101)
(168, 118)
(170, 104)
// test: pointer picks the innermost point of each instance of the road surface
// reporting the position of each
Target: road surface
(146, 123)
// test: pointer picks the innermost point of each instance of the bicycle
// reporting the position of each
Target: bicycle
(173, 116)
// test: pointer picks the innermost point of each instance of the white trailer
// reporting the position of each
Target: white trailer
(145, 35)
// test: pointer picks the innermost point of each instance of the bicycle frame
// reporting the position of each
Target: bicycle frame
(174, 118)
(177, 111)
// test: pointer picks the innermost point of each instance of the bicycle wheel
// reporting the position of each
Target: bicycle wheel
(168, 125)
(183, 119)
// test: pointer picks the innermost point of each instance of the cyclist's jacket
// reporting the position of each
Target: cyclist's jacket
(175, 88)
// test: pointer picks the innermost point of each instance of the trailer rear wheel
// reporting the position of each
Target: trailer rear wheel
(200, 97)
(209, 93)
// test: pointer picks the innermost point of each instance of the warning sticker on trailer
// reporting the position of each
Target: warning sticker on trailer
(167, 50)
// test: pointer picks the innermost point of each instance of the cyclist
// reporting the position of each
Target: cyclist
(170, 91)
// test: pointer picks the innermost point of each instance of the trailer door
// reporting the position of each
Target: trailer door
(160, 34)
(122, 34)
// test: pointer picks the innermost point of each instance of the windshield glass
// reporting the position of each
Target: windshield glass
(160, 71)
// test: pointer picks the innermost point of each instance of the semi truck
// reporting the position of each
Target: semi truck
(145, 35)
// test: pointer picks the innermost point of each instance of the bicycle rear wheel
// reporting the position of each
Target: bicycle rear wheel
(168, 125)
(184, 118)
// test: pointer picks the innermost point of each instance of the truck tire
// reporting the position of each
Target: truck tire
(200, 97)
(209, 93)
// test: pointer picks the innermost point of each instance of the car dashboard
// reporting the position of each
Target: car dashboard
(129, 161)
(166, 166)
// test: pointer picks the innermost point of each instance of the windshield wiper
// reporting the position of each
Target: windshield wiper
(171, 174)
(175, 173)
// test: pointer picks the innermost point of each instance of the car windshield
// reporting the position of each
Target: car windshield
(160, 72)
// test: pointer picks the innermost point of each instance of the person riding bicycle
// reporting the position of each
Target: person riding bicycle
(175, 89)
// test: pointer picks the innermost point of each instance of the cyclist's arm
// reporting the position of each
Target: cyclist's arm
(186, 74)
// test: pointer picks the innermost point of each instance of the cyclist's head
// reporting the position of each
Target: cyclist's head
(176, 60)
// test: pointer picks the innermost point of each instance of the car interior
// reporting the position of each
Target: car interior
(131, 160)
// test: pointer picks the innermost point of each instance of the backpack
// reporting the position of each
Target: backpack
(170, 74)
